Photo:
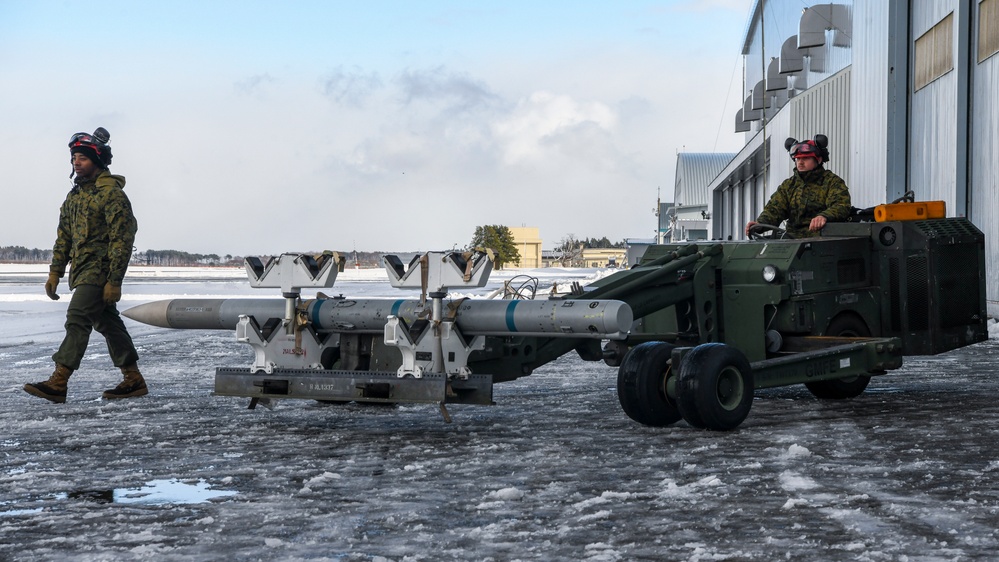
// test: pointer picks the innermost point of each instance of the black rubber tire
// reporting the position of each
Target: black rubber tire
(329, 357)
(641, 384)
(849, 326)
(714, 388)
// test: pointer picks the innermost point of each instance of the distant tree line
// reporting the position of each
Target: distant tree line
(498, 238)
(177, 257)
(601, 243)
(20, 254)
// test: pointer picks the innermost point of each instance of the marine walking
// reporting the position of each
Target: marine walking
(94, 239)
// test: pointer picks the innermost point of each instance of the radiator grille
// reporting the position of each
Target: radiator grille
(957, 286)
(895, 295)
(916, 277)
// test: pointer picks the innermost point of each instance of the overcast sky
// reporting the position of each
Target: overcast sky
(259, 128)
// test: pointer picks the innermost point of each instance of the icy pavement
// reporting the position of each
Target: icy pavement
(555, 471)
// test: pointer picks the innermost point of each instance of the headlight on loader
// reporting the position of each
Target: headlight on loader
(770, 273)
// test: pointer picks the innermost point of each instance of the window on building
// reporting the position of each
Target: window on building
(935, 52)
(988, 29)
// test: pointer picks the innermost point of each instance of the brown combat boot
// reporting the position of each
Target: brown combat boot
(132, 386)
(53, 389)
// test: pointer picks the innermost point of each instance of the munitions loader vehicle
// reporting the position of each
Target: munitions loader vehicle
(693, 329)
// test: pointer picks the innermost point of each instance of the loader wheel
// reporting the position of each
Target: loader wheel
(641, 384)
(848, 326)
(714, 389)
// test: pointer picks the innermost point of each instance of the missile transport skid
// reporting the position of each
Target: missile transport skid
(694, 329)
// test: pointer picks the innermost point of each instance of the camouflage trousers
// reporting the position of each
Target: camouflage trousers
(87, 312)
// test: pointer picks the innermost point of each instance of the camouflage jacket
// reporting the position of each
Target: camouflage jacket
(96, 232)
(803, 197)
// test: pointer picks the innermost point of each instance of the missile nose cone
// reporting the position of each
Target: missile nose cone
(152, 313)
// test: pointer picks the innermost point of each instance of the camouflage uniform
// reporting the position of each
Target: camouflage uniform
(96, 233)
(805, 196)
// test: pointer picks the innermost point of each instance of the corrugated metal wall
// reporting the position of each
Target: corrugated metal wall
(780, 166)
(825, 109)
(869, 118)
(984, 159)
(694, 172)
(933, 119)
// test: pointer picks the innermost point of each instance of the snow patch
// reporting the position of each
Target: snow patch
(602, 498)
(792, 503)
(688, 490)
(791, 481)
(323, 478)
(507, 494)
(796, 451)
(602, 514)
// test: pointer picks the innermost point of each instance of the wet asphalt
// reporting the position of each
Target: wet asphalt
(554, 471)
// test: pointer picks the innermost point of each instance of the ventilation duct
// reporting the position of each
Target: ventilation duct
(791, 60)
(748, 113)
(775, 80)
(817, 19)
(741, 125)
(760, 98)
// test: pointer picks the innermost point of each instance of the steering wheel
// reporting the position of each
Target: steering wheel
(756, 232)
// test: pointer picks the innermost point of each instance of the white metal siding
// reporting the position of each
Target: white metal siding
(925, 14)
(984, 158)
(933, 119)
(869, 114)
(780, 166)
(826, 109)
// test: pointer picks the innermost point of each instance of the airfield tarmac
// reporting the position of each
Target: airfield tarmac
(555, 471)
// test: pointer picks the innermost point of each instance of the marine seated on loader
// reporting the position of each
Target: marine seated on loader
(810, 198)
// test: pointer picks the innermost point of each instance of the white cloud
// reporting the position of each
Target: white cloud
(545, 123)
(352, 87)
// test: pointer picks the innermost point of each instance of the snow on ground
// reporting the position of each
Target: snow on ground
(553, 471)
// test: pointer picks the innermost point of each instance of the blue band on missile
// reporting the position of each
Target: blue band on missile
(395, 307)
(315, 313)
(510, 324)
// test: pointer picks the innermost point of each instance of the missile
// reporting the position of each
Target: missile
(571, 318)
(204, 314)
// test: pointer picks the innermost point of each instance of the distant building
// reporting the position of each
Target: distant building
(551, 258)
(528, 242)
(635, 249)
(604, 257)
(688, 216)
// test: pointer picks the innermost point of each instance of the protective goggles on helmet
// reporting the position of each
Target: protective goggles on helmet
(85, 139)
(99, 138)
(805, 149)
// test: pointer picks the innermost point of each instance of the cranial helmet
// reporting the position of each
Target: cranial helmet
(815, 148)
(93, 146)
